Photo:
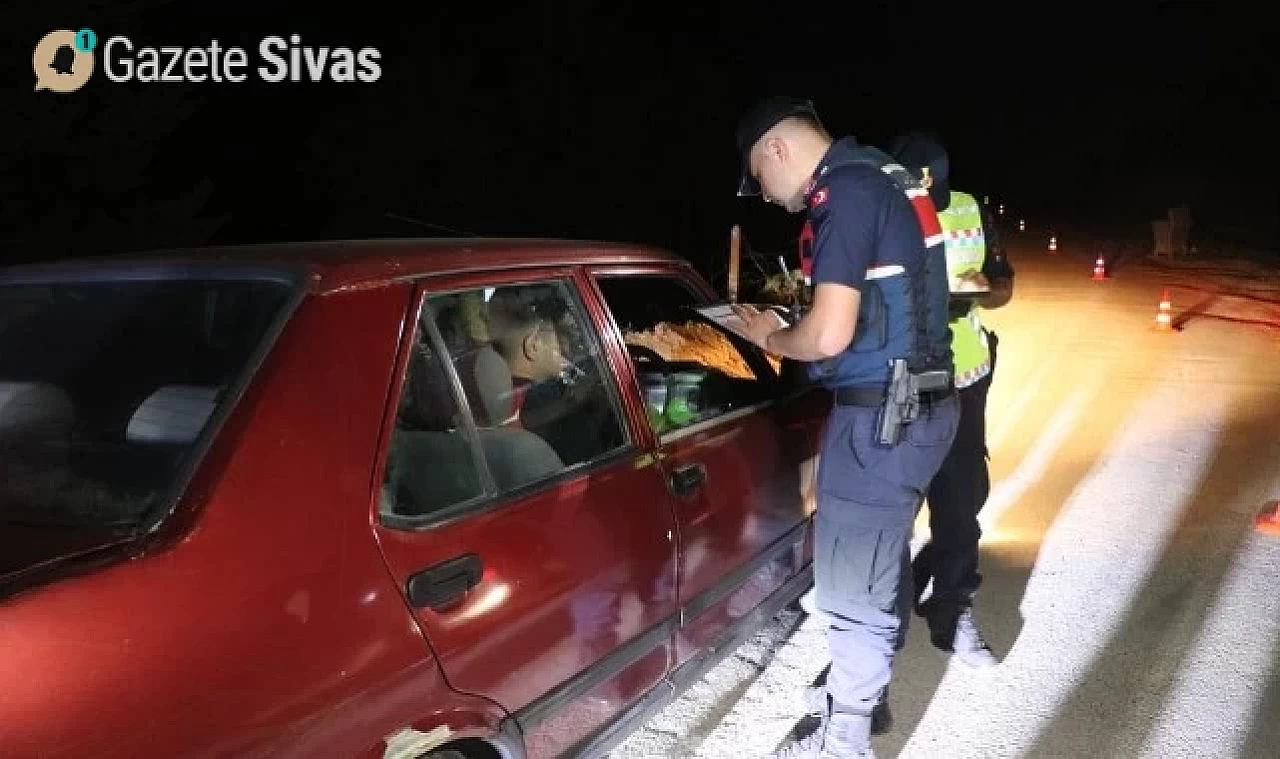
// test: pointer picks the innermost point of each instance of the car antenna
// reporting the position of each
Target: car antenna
(428, 225)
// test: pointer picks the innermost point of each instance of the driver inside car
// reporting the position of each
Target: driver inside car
(552, 396)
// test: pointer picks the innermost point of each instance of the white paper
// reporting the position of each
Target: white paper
(965, 285)
(958, 288)
(723, 315)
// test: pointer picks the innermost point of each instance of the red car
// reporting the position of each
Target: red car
(379, 499)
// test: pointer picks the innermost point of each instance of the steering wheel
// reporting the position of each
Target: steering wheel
(645, 355)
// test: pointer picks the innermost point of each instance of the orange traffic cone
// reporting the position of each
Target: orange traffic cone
(1268, 521)
(1100, 269)
(1053, 244)
(1164, 317)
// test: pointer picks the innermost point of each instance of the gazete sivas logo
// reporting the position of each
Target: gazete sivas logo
(64, 61)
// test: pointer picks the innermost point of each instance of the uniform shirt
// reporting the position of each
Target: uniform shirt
(865, 226)
(861, 221)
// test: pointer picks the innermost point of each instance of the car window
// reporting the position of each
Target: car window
(506, 388)
(107, 388)
(434, 461)
(689, 371)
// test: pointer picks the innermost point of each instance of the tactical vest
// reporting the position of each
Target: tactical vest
(903, 312)
(966, 252)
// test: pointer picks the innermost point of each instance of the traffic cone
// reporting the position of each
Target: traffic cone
(1164, 317)
(1053, 245)
(1100, 269)
(1268, 521)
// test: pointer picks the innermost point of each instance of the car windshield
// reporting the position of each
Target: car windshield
(106, 388)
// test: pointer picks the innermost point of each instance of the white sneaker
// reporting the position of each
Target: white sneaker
(970, 648)
(841, 736)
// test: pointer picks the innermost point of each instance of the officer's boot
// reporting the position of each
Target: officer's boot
(942, 617)
(841, 736)
(815, 705)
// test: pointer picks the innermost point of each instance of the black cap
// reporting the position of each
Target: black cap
(762, 117)
(918, 150)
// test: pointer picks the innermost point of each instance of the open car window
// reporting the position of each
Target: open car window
(689, 371)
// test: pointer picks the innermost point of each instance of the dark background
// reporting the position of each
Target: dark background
(587, 120)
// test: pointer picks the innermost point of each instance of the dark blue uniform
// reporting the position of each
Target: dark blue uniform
(867, 236)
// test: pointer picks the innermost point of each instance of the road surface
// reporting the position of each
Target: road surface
(1136, 610)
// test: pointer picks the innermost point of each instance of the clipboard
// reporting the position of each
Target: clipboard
(722, 316)
(969, 294)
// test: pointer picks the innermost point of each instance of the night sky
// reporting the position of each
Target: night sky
(587, 121)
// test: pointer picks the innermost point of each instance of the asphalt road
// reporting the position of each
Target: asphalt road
(1136, 610)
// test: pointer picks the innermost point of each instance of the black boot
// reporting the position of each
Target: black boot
(942, 617)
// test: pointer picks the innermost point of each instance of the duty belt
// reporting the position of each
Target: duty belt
(873, 397)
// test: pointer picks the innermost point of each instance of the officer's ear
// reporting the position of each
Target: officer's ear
(775, 148)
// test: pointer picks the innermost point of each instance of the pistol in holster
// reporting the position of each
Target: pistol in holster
(902, 402)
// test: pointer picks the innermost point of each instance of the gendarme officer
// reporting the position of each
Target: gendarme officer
(877, 336)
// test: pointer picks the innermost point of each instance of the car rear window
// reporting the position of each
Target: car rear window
(106, 391)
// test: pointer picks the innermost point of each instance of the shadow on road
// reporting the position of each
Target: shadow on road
(1114, 708)
(1201, 306)
(1264, 736)
(1011, 548)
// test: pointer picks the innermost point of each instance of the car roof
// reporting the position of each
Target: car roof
(344, 264)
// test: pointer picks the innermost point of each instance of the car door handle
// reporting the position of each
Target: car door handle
(688, 478)
(445, 583)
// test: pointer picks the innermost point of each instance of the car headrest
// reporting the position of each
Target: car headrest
(492, 386)
(30, 409)
(173, 414)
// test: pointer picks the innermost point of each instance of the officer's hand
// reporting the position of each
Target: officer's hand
(759, 324)
(976, 278)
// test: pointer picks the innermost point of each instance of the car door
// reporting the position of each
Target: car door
(738, 466)
(534, 539)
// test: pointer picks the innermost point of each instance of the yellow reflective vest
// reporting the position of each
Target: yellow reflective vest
(966, 252)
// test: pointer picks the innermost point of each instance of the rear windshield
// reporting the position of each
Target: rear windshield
(105, 390)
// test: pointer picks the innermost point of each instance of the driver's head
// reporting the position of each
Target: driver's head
(525, 338)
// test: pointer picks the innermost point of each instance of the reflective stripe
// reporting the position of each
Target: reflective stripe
(972, 376)
(882, 272)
